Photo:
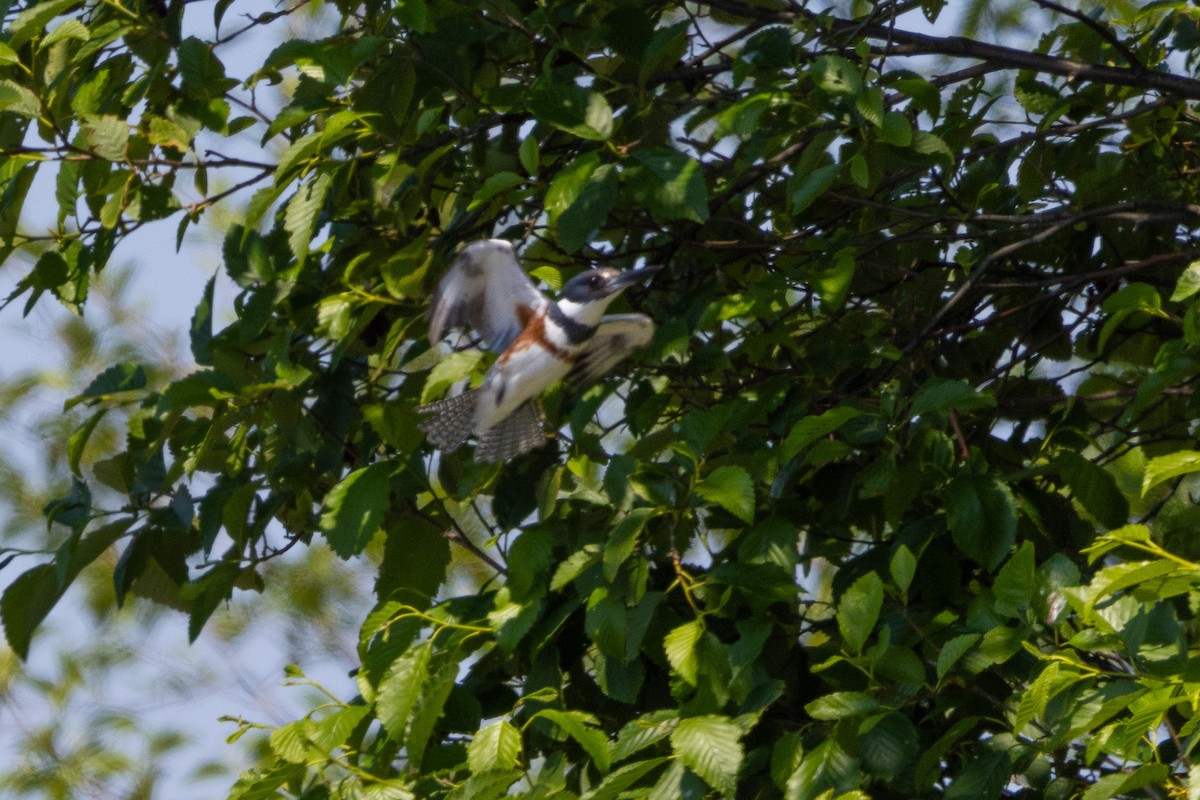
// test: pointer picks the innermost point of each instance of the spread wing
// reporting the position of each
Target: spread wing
(485, 289)
(617, 336)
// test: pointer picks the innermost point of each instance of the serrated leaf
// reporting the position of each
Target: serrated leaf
(494, 185)
(107, 136)
(840, 705)
(303, 210)
(858, 611)
(668, 183)
(623, 540)
(953, 650)
(680, 647)
(1035, 96)
(617, 781)
(527, 154)
(982, 516)
(582, 112)
(17, 99)
(711, 747)
(902, 567)
(1163, 468)
(869, 103)
(354, 509)
(201, 327)
(810, 429)
(1094, 487)
(583, 729)
(291, 742)
(939, 394)
(401, 687)
(68, 29)
(588, 212)
(732, 489)
(25, 603)
(79, 439)
(1188, 283)
(495, 746)
(896, 130)
(1013, 589)
(331, 732)
(811, 186)
(124, 377)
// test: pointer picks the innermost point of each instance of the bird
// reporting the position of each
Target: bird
(540, 342)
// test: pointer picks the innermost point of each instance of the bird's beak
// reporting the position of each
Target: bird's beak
(630, 277)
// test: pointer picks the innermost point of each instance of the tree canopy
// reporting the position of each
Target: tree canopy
(896, 504)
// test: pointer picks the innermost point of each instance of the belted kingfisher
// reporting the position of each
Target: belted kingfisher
(540, 342)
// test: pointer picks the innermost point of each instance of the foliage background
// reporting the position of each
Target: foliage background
(896, 503)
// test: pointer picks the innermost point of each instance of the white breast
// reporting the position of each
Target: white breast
(523, 375)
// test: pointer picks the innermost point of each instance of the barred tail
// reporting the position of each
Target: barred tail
(450, 421)
(517, 433)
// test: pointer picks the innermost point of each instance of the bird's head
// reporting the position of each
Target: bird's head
(585, 297)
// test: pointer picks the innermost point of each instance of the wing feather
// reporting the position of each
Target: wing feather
(616, 336)
(487, 290)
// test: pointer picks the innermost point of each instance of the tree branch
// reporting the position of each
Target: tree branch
(909, 43)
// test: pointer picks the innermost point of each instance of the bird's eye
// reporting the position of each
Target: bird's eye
(594, 281)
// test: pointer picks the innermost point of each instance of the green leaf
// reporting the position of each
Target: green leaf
(583, 728)
(890, 748)
(903, 568)
(732, 489)
(623, 540)
(582, 112)
(107, 135)
(17, 99)
(711, 747)
(528, 155)
(354, 509)
(124, 377)
(79, 439)
(430, 704)
(8, 56)
(858, 611)
(25, 603)
(303, 211)
(1014, 584)
(1188, 283)
(589, 210)
(1035, 96)
(606, 623)
(1124, 784)
(1094, 487)
(841, 705)
(953, 650)
(495, 746)
(896, 129)
(982, 516)
(495, 184)
(680, 647)
(983, 777)
(401, 687)
(837, 75)
(668, 183)
(939, 394)
(811, 186)
(810, 429)
(201, 328)
(617, 781)
(826, 770)
(68, 29)
(927, 144)
(1163, 468)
